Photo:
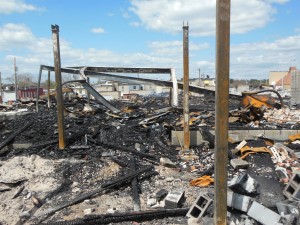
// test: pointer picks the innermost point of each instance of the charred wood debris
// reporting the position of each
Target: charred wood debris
(121, 168)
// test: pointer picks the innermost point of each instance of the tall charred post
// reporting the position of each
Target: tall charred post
(59, 96)
(48, 90)
(186, 126)
(222, 107)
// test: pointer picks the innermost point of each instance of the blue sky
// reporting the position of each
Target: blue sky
(265, 35)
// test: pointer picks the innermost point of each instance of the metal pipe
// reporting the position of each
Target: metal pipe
(48, 87)
(59, 96)
(186, 126)
(222, 108)
(174, 100)
(88, 93)
(37, 89)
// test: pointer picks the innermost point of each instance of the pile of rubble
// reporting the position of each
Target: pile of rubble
(122, 167)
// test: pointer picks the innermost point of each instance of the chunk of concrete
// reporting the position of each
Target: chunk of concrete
(167, 162)
(239, 163)
(174, 198)
(88, 211)
(151, 200)
(243, 184)
(263, 215)
(237, 201)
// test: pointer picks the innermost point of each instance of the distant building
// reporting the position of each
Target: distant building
(282, 80)
(295, 89)
(275, 76)
(286, 81)
(29, 93)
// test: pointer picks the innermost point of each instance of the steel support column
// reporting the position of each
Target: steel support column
(59, 96)
(88, 93)
(186, 118)
(38, 88)
(174, 100)
(221, 121)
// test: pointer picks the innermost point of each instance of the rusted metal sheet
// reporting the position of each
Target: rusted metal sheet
(257, 100)
(222, 108)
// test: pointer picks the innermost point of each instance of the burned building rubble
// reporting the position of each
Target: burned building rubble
(122, 167)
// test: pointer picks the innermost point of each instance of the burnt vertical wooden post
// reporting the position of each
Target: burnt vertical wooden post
(59, 95)
(222, 107)
(186, 118)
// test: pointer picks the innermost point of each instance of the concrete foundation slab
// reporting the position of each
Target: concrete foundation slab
(237, 135)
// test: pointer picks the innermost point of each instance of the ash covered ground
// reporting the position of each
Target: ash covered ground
(41, 184)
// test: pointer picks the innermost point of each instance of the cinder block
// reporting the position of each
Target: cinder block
(200, 206)
(262, 214)
(292, 189)
(237, 201)
(238, 163)
(175, 198)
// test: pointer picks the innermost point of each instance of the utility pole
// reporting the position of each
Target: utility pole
(186, 117)
(1, 88)
(59, 96)
(199, 77)
(16, 78)
(222, 108)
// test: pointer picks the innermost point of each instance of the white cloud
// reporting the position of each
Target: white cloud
(15, 35)
(261, 57)
(174, 47)
(98, 30)
(248, 60)
(297, 30)
(15, 6)
(168, 15)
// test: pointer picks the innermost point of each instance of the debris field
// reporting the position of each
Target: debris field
(122, 168)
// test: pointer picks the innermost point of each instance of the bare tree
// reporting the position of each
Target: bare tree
(25, 80)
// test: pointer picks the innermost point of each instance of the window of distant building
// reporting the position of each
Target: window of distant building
(134, 87)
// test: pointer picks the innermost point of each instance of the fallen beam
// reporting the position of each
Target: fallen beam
(134, 187)
(122, 217)
(106, 186)
(12, 136)
(124, 149)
